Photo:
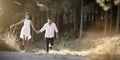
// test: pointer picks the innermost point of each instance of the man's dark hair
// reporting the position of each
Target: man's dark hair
(50, 18)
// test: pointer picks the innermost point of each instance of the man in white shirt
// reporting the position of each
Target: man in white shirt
(50, 28)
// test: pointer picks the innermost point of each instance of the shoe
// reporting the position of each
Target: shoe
(50, 46)
(23, 51)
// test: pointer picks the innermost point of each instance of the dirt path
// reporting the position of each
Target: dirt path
(31, 56)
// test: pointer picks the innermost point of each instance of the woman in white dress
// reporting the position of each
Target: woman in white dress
(25, 31)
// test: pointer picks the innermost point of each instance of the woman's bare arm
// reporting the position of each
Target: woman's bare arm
(33, 26)
(18, 23)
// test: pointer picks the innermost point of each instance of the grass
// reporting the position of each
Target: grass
(8, 42)
(103, 48)
(63, 52)
(65, 45)
(108, 50)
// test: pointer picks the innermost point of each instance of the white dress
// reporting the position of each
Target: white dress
(25, 31)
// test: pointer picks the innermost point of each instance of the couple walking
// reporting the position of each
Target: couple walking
(50, 28)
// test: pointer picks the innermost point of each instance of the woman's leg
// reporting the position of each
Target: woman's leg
(26, 41)
(23, 40)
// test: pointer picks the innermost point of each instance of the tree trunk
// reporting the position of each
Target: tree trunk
(77, 20)
(118, 19)
(110, 21)
(75, 24)
(57, 20)
(106, 20)
(60, 21)
(81, 21)
(68, 16)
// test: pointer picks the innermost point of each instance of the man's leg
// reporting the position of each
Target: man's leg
(47, 44)
(51, 42)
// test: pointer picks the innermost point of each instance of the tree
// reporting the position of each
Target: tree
(117, 2)
(81, 22)
(107, 5)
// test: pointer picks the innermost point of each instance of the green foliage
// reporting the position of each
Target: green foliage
(59, 5)
(88, 8)
(107, 4)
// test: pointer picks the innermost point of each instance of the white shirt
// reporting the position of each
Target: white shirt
(49, 30)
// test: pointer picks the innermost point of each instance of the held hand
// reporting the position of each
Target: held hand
(38, 32)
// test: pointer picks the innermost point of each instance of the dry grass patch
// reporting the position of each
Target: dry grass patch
(9, 42)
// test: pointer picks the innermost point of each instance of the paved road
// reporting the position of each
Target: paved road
(32, 56)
